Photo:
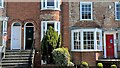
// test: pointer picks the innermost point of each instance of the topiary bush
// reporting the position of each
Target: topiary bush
(113, 66)
(100, 65)
(50, 41)
(84, 65)
(61, 57)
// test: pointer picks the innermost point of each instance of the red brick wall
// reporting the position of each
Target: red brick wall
(89, 57)
(25, 12)
(65, 24)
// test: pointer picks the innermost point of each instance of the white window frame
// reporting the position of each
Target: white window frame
(81, 10)
(2, 5)
(116, 10)
(82, 44)
(50, 7)
(44, 23)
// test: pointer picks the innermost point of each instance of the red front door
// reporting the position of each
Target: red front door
(110, 46)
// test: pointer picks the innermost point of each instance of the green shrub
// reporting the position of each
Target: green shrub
(50, 41)
(61, 56)
(100, 65)
(84, 65)
(113, 66)
(70, 63)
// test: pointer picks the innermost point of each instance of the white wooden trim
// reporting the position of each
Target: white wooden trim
(116, 10)
(82, 40)
(81, 10)
(25, 32)
(4, 18)
(72, 47)
(87, 30)
(12, 33)
(55, 26)
(50, 7)
(115, 45)
(95, 42)
(2, 6)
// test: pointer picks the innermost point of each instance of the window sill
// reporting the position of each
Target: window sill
(117, 19)
(51, 9)
(86, 19)
(86, 50)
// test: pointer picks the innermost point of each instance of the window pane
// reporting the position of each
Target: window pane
(29, 24)
(98, 40)
(88, 40)
(118, 5)
(118, 15)
(118, 9)
(16, 24)
(50, 24)
(86, 11)
(77, 42)
(43, 3)
(0, 2)
(57, 3)
(50, 2)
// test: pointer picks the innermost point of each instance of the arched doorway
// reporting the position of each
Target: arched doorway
(16, 36)
(28, 35)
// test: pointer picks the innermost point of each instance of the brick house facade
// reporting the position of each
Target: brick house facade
(103, 24)
(90, 30)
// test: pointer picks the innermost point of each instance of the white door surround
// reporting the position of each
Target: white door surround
(115, 45)
(16, 36)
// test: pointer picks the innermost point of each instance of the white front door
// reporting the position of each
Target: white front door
(16, 37)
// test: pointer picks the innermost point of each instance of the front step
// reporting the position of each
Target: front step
(17, 59)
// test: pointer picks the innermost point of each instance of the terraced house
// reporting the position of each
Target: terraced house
(89, 29)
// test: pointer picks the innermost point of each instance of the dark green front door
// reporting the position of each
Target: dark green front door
(29, 37)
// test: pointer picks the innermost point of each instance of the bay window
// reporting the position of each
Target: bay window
(86, 40)
(46, 24)
(50, 4)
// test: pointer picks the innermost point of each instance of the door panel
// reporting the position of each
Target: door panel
(29, 37)
(16, 37)
(110, 46)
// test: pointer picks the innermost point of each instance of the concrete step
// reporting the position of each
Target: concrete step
(13, 64)
(15, 67)
(16, 58)
(18, 50)
(15, 61)
(27, 55)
